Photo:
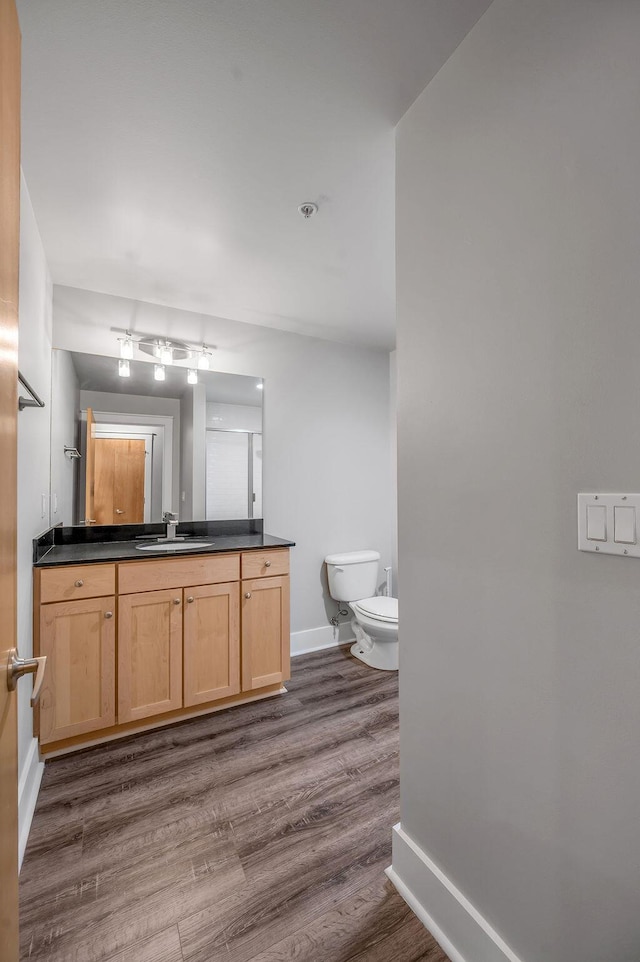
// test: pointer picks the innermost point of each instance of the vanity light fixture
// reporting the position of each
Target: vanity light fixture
(165, 352)
(203, 359)
(126, 348)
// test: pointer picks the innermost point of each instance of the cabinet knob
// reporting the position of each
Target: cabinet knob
(108, 614)
(190, 599)
(119, 511)
(247, 594)
(79, 583)
(267, 564)
(176, 601)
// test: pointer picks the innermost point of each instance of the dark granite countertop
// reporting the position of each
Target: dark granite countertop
(72, 552)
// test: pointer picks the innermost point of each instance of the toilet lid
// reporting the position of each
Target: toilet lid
(380, 607)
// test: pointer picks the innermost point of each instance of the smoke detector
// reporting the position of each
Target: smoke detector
(308, 210)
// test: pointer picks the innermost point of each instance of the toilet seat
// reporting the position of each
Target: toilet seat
(380, 608)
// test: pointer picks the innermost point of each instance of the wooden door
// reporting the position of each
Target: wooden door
(149, 654)
(211, 643)
(79, 692)
(119, 481)
(9, 256)
(90, 468)
(265, 632)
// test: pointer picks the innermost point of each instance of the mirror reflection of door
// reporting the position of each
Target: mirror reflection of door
(119, 486)
(233, 474)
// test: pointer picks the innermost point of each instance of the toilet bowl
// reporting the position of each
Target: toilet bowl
(353, 578)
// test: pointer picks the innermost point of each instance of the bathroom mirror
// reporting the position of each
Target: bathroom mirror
(126, 450)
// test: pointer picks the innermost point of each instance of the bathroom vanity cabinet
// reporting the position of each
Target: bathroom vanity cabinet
(134, 644)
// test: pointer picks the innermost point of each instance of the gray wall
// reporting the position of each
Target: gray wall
(327, 483)
(64, 416)
(186, 456)
(518, 356)
(193, 413)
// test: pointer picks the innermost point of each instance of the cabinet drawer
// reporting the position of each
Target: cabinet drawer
(270, 563)
(177, 572)
(76, 582)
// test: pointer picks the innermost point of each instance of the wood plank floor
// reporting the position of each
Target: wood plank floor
(260, 833)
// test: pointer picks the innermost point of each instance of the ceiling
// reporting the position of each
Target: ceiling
(168, 143)
(96, 373)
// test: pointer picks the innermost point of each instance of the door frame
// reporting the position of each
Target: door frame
(9, 287)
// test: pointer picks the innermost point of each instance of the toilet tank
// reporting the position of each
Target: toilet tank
(352, 575)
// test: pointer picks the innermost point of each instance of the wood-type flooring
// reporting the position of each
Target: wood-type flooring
(257, 834)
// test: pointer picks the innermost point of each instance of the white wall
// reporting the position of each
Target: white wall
(518, 229)
(326, 429)
(34, 361)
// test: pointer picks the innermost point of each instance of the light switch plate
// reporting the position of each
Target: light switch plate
(613, 530)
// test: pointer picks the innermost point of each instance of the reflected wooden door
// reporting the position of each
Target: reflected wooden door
(119, 481)
(9, 256)
(89, 516)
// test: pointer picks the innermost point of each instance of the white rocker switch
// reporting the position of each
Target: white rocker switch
(596, 522)
(608, 523)
(624, 524)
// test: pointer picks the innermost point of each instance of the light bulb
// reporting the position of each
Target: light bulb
(126, 348)
(166, 353)
(192, 376)
(203, 361)
(123, 367)
(158, 372)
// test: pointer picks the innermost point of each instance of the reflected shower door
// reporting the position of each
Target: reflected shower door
(227, 475)
(233, 475)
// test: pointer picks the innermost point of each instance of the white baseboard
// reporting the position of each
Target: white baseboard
(464, 934)
(28, 788)
(315, 639)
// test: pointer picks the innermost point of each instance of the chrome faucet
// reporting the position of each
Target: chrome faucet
(171, 521)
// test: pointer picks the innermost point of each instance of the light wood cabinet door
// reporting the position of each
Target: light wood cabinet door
(211, 643)
(79, 690)
(149, 654)
(265, 632)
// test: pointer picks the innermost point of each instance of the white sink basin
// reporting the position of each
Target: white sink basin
(174, 546)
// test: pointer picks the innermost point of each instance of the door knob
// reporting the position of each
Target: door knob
(190, 599)
(176, 601)
(18, 667)
(247, 594)
(108, 614)
(267, 564)
(79, 583)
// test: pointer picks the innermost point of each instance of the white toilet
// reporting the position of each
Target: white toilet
(353, 577)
